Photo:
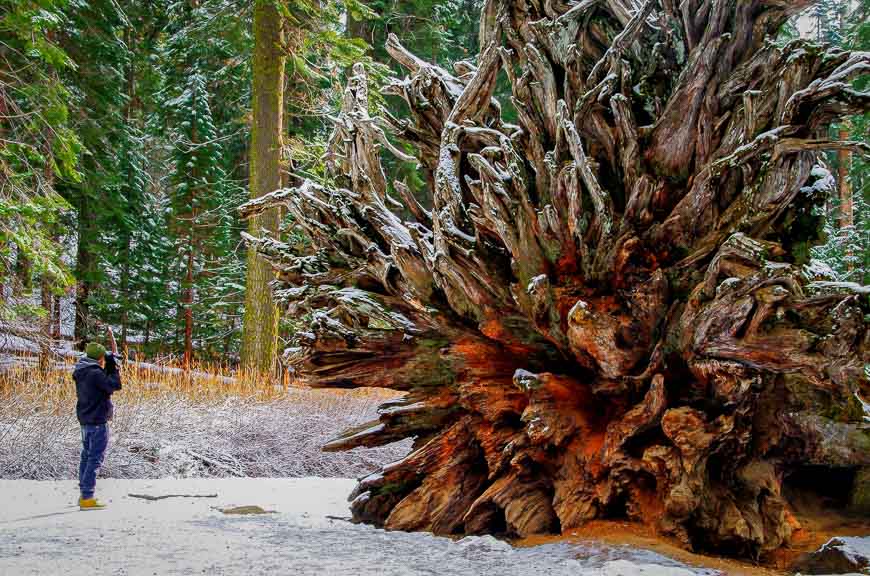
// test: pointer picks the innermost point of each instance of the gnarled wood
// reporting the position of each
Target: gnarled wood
(603, 314)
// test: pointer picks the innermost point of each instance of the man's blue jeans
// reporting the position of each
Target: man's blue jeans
(95, 439)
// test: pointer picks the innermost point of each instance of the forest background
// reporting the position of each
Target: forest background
(125, 131)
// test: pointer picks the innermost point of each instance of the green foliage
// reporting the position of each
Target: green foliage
(125, 143)
(205, 64)
(38, 144)
(846, 250)
(443, 31)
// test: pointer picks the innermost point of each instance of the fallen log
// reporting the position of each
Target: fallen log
(605, 312)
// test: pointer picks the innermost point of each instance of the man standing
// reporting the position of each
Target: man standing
(97, 378)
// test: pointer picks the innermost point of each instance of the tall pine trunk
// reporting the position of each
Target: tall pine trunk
(125, 267)
(55, 318)
(260, 330)
(844, 156)
(45, 286)
(44, 348)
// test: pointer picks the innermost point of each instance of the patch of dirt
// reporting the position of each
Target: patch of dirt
(640, 536)
(820, 520)
(818, 525)
(245, 510)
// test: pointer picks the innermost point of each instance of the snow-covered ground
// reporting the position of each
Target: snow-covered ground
(43, 532)
(172, 435)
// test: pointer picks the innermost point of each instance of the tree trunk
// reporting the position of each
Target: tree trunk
(844, 159)
(46, 300)
(188, 304)
(260, 327)
(129, 40)
(844, 156)
(603, 315)
(45, 352)
(361, 29)
(85, 271)
(56, 319)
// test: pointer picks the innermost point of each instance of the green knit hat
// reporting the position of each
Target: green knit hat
(95, 350)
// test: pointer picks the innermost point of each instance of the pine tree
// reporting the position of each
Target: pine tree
(204, 86)
(93, 41)
(260, 335)
(39, 149)
(845, 255)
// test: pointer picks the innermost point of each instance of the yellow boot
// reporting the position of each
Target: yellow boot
(90, 504)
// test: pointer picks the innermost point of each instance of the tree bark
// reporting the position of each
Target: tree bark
(130, 41)
(56, 318)
(188, 302)
(844, 156)
(604, 313)
(844, 161)
(260, 327)
(361, 29)
(85, 271)
(45, 351)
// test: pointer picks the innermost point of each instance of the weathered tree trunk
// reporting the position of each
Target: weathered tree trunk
(603, 315)
(260, 328)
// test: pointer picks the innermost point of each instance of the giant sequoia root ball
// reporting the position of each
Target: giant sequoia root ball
(606, 310)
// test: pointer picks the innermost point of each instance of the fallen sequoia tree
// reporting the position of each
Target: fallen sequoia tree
(606, 312)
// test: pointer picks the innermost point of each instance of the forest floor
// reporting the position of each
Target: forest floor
(302, 531)
(170, 425)
(235, 438)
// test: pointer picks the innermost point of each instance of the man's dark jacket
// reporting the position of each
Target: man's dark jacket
(94, 388)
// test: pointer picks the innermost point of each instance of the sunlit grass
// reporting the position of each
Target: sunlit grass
(53, 388)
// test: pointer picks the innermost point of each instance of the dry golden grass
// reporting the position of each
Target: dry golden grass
(145, 381)
(208, 422)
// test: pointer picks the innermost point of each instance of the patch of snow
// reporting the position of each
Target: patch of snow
(535, 283)
(865, 406)
(824, 179)
(43, 532)
(839, 555)
(817, 269)
(174, 437)
(853, 287)
(401, 409)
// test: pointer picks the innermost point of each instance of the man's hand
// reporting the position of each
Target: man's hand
(111, 336)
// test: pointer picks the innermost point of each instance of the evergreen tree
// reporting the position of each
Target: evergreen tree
(92, 39)
(138, 115)
(294, 34)
(846, 250)
(39, 148)
(205, 87)
(260, 336)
